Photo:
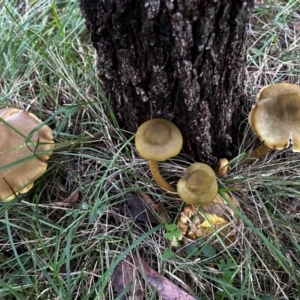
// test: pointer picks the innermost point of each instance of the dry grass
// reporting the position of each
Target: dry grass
(64, 238)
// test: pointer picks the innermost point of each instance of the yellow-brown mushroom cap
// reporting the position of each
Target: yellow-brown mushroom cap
(199, 185)
(274, 90)
(275, 118)
(26, 144)
(158, 140)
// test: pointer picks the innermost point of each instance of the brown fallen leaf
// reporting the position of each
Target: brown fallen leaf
(140, 210)
(164, 287)
(221, 208)
(123, 276)
(201, 225)
(72, 200)
(158, 207)
(73, 264)
(215, 216)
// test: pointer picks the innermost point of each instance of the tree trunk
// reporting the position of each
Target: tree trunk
(182, 60)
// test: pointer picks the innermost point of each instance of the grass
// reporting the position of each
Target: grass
(63, 239)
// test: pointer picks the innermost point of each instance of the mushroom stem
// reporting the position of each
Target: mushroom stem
(258, 152)
(153, 165)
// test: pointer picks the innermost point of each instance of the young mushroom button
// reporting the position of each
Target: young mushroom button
(199, 185)
(158, 140)
(275, 118)
(25, 146)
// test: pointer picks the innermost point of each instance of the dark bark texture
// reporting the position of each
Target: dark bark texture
(182, 60)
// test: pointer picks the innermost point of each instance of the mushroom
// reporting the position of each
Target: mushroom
(275, 118)
(25, 146)
(222, 167)
(158, 140)
(199, 185)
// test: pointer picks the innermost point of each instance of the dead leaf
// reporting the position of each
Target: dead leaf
(164, 287)
(140, 210)
(72, 200)
(123, 276)
(194, 224)
(156, 206)
(215, 216)
(73, 264)
(221, 208)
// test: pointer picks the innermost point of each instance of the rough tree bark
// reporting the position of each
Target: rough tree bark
(182, 60)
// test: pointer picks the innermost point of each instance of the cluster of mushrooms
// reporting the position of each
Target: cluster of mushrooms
(27, 143)
(158, 140)
(275, 118)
